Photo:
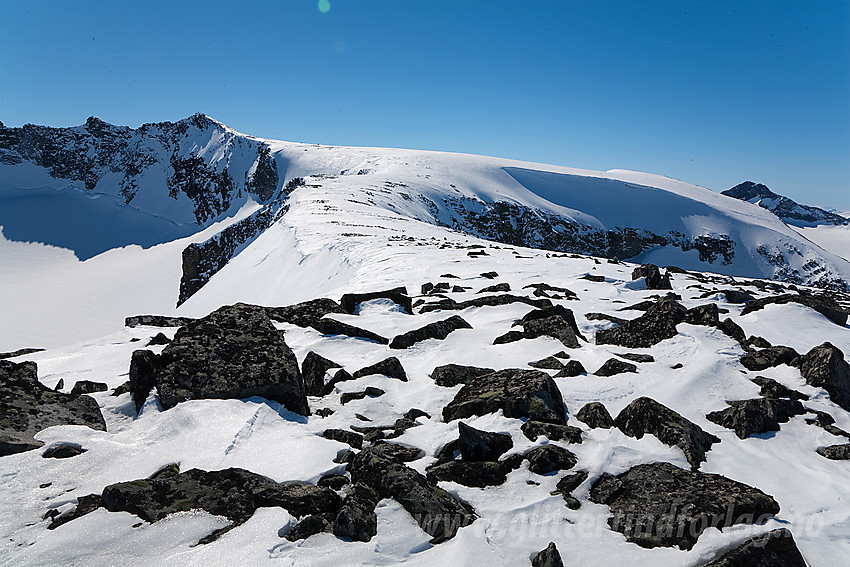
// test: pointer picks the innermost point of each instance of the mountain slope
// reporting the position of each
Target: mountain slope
(787, 209)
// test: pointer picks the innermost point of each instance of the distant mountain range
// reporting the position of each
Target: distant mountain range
(788, 210)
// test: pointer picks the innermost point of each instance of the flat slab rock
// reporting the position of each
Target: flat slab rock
(454, 374)
(234, 352)
(661, 505)
(306, 313)
(438, 330)
(823, 304)
(776, 548)
(645, 415)
(27, 407)
(519, 393)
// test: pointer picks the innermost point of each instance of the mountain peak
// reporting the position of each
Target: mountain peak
(749, 190)
(787, 209)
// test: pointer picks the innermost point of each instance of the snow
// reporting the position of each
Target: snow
(836, 239)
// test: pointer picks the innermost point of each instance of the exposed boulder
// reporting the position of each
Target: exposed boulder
(234, 493)
(328, 326)
(159, 339)
(543, 290)
(404, 453)
(548, 363)
(824, 367)
(454, 374)
(496, 288)
(143, 366)
(476, 474)
(571, 369)
(88, 387)
(660, 504)
(314, 368)
(304, 314)
(657, 324)
(550, 458)
(344, 436)
(356, 519)
(509, 337)
(595, 415)
(519, 393)
(566, 486)
(755, 416)
(776, 548)
(19, 352)
(770, 388)
(234, 352)
(63, 451)
(552, 431)
(370, 391)
(637, 357)
(27, 407)
(437, 512)
(310, 525)
(645, 415)
(737, 296)
(613, 366)
(398, 295)
(653, 277)
(437, 330)
(390, 367)
(769, 357)
(156, 321)
(835, 452)
(549, 557)
(557, 322)
(823, 304)
(85, 505)
(732, 330)
(334, 481)
(708, 315)
(486, 301)
(477, 445)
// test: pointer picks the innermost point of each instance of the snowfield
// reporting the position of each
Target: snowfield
(369, 227)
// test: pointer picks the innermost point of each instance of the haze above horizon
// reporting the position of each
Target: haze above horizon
(713, 93)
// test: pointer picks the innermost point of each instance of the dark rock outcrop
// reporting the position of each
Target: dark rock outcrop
(770, 388)
(769, 357)
(595, 415)
(454, 374)
(398, 295)
(655, 325)
(645, 415)
(314, 367)
(755, 416)
(549, 557)
(496, 288)
(143, 366)
(835, 452)
(63, 451)
(476, 474)
(157, 321)
(158, 339)
(390, 367)
(548, 363)
(824, 367)
(571, 369)
(486, 301)
(436, 511)
(234, 493)
(519, 393)
(557, 322)
(19, 352)
(344, 436)
(85, 505)
(776, 548)
(552, 431)
(653, 277)
(660, 504)
(27, 407)
(438, 330)
(823, 304)
(787, 209)
(477, 445)
(737, 296)
(550, 458)
(356, 519)
(88, 387)
(304, 314)
(328, 326)
(234, 352)
(613, 366)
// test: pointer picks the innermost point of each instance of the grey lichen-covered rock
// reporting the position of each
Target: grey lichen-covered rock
(595, 415)
(550, 458)
(437, 512)
(314, 367)
(159, 339)
(549, 557)
(548, 363)
(835, 452)
(824, 367)
(304, 314)
(234, 352)
(732, 330)
(769, 357)
(398, 295)
(552, 431)
(661, 505)
(156, 321)
(477, 445)
(27, 407)
(344, 436)
(776, 548)
(390, 367)
(645, 415)
(234, 493)
(613, 366)
(652, 276)
(454, 374)
(143, 367)
(486, 301)
(328, 326)
(655, 325)
(496, 288)
(356, 519)
(770, 388)
(755, 416)
(519, 393)
(310, 526)
(476, 474)
(557, 322)
(823, 304)
(571, 369)
(438, 330)
(567, 484)
(708, 315)
(88, 387)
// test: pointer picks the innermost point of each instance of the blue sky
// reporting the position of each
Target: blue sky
(712, 92)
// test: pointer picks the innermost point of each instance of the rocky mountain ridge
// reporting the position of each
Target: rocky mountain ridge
(787, 209)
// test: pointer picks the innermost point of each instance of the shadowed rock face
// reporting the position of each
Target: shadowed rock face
(657, 324)
(660, 504)
(304, 314)
(27, 407)
(549, 557)
(519, 393)
(773, 549)
(824, 367)
(769, 357)
(823, 304)
(437, 330)
(454, 374)
(594, 414)
(398, 295)
(234, 352)
(645, 415)
(758, 415)
(652, 276)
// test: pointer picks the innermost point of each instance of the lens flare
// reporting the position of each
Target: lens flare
(324, 6)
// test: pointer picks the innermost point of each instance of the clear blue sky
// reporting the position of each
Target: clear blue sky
(710, 92)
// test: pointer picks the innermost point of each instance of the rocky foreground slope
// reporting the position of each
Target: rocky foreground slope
(517, 408)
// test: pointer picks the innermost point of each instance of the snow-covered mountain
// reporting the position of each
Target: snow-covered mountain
(787, 209)
(97, 187)
(507, 397)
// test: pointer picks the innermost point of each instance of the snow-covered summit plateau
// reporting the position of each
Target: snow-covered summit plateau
(272, 353)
